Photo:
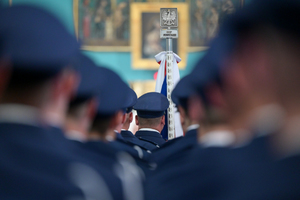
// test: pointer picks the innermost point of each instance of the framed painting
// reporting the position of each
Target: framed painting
(145, 34)
(205, 19)
(102, 25)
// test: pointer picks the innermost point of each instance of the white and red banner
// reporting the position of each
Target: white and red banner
(161, 87)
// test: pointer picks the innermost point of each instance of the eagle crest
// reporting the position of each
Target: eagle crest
(169, 17)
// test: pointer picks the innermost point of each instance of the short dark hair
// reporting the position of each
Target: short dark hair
(149, 121)
(101, 124)
(23, 78)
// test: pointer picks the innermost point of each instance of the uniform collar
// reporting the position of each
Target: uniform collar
(20, 114)
(126, 133)
(119, 136)
(217, 139)
(193, 126)
(149, 129)
(264, 121)
(267, 119)
(191, 133)
(75, 135)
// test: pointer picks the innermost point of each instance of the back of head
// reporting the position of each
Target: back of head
(112, 100)
(130, 101)
(36, 45)
(149, 122)
(150, 108)
(34, 40)
(266, 50)
(88, 87)
(151, 105)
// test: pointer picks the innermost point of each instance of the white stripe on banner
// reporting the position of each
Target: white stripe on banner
(161, 57)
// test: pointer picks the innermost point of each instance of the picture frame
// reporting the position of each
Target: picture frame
(145, 34)
(102, 25)
(205, 19)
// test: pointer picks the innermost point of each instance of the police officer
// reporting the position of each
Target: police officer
(82, 108)
(200, 165)
(81, 113)
(34, 164)
(128, 117)
(112, 102)
(150, 118)
(183, 95)
(264, 168)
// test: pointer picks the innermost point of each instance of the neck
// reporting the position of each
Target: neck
(94, 135)
(78, 126)
(217, 127)
(292, 109)
(118, 129)
(108, 136)
(126, 126)
(286, 139)
(188, 123)
(54, 114)
(51, 113)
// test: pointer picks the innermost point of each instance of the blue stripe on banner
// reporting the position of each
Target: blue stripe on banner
(164, 132)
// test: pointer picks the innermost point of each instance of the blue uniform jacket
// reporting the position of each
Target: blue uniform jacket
(134, 150)
(151, 137)
(248, 172)
(101, 157)
(32, 166)
(174, 150)
(141, 156)
(128, 136)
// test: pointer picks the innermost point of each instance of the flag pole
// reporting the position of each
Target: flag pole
(171, 125)
(169, 24)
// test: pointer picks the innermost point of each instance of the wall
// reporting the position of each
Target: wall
(118, 61)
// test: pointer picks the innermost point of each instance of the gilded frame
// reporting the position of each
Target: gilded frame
(136, 34)
(194, 48)
(95, 48)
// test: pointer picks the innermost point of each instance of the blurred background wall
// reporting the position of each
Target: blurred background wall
(118, 59)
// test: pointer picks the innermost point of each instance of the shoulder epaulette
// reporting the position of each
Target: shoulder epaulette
(146, 140)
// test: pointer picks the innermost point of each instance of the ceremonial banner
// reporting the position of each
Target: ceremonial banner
(161, 87)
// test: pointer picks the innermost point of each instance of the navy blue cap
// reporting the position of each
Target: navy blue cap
(183, 90)
(113, 92)
(130, 100)
(34, 40)
(151, 105)
(87, 87)
(208, 68)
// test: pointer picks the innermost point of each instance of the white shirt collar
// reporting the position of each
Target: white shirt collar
(149, 129)
(75, 135)
(21, 114)
(217, 139)
(193, 126)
